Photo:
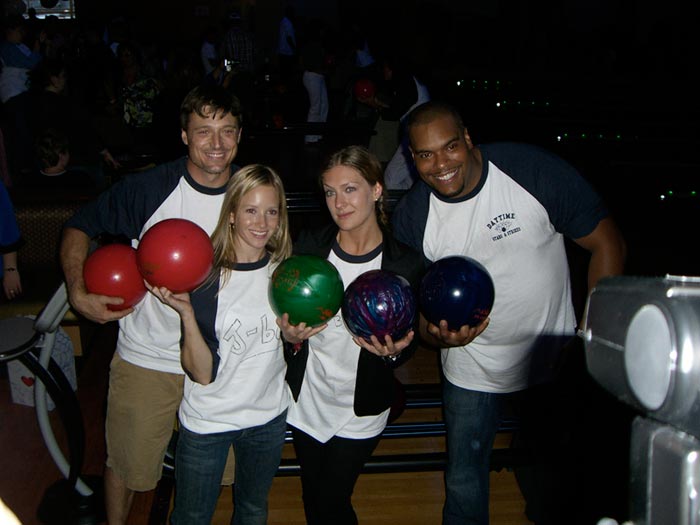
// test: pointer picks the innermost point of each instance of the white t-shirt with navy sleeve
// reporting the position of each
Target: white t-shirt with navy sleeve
(514, 223)
(325, 407)
(238, 324)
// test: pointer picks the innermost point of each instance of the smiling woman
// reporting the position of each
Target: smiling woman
(233, 357)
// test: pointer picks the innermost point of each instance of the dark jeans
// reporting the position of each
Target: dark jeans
(471, 419)
(199, 465)
(328, 475)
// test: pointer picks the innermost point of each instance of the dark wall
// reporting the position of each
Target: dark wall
(583, 38)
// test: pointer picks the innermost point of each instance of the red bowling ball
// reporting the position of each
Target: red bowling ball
(364, 88)
(176, 254)
(111, 270)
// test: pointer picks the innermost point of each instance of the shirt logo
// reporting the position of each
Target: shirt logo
(240, 338)
(503, 225)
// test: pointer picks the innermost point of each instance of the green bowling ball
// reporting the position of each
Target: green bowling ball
(306, 287)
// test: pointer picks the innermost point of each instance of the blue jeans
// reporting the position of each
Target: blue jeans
(199, 465)
(471, 420)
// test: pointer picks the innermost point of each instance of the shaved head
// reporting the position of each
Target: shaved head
(429, 111)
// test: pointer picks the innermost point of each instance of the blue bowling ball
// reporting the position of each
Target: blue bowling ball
(379, 302)
(457, 289)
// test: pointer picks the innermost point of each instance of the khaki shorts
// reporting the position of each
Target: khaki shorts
(141, 416)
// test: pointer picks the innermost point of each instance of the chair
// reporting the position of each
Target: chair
(31, 341)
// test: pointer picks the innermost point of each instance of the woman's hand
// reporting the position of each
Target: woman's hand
(295, 334)
(386, 348)
(180, 302)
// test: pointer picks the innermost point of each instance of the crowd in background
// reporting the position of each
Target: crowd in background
(89, 101)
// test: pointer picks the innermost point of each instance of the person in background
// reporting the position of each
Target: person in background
(287, 45)
(10, 242)
(398, 92)
(312, 56)
(208, 53)
(18, 57)
(146, 377)
(509, 206)
(239, 48)
(56, 116)
(343, 386)
(136, 95)
(235, 392)
(238, 45)
(55, 172)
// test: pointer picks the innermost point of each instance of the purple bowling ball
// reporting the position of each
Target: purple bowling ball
(379, 302)
(457, 289)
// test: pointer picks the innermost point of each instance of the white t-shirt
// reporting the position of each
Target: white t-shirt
(141, 332)
(514, 223)
(150, 336)
(325, 407)
(499, 359)
(249, 388)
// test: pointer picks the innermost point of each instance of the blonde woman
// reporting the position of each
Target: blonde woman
(235, 392)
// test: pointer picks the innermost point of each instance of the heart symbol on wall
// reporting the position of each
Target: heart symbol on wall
(29, 381)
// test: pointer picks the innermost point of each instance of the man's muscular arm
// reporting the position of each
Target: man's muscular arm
(74, 251)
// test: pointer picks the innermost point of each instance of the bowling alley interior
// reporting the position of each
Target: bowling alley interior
(609, 86)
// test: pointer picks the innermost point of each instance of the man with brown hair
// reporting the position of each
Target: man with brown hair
(146, 379)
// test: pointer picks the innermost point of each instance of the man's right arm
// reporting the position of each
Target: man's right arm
(74, 251)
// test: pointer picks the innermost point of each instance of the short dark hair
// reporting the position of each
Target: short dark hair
(40, 76)
(206, 100)
(428, 111)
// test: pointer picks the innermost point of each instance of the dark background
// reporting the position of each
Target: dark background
(609, 85)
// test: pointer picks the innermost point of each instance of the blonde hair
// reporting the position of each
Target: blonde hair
(368, 166)
(243, 181)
